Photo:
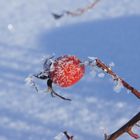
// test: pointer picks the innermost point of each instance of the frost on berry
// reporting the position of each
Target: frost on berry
(67, 71)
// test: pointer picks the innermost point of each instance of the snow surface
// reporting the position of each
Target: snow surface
(110, 31)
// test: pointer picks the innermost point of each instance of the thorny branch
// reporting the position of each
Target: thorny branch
(127, 128)
(108, 70)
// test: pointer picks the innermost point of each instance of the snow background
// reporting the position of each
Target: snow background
(111, 31)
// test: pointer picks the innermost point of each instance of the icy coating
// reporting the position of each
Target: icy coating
(67, 71)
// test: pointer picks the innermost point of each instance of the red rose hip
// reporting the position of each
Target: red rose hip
(67, 70)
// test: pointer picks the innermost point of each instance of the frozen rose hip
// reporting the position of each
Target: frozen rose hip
(67, 70)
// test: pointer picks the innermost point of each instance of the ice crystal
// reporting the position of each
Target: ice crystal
(101, 75)
(92, 58)
(118, 86)
(112, 64)
(92, 61)
(29, 81)
(48, 63)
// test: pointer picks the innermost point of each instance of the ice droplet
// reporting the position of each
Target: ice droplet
(101, 75)
(112, 64)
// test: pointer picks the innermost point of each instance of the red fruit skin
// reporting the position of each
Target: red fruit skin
(67, 70)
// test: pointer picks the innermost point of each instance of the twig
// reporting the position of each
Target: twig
(108, 70)
(127, 128)
(68, 136)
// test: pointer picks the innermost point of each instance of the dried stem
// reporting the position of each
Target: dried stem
(80, 11)
(49, 83)
(127, 128)
(108, 70)
(58, 95)
(68, 136)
